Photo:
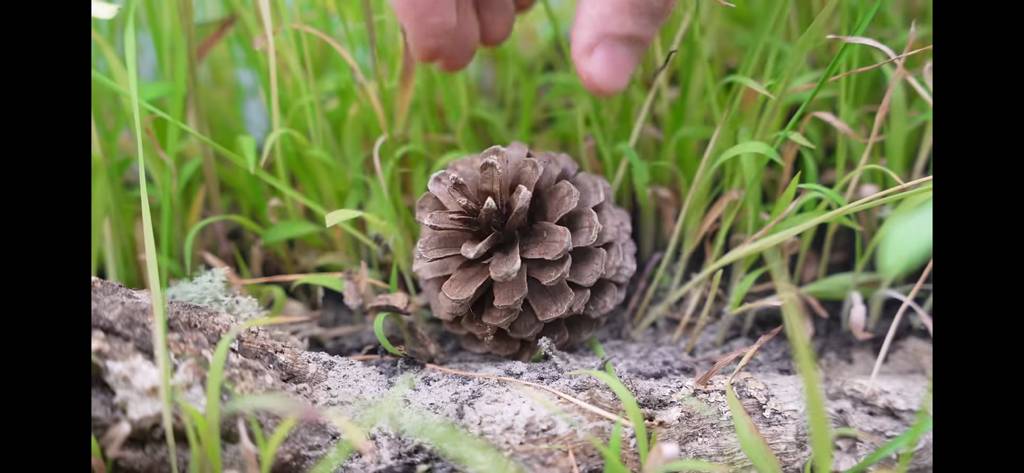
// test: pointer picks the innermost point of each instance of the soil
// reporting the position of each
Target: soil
(537, 430)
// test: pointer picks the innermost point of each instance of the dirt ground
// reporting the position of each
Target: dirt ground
(535, 428)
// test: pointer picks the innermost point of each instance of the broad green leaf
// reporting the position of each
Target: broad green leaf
(906, 242)
(837, 286)
(289, 230)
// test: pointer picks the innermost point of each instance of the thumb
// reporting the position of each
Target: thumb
(609, 37)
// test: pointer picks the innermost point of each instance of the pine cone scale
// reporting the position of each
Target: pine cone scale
(549, 302)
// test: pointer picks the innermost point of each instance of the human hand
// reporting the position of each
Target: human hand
(608, 37)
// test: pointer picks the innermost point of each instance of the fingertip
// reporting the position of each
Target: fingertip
(523, 5)
(496, 18)
(455, 63)
(607, 69)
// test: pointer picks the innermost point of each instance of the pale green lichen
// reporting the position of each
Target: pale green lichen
(210, 289)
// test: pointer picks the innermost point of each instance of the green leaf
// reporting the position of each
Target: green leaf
(798, 138)
(906, 439)
(246, 145)
(786, 198)
(837, 286)
(640, 171)
(825, 192)
(330, 282)
(276, 439)
(749, 83)
(612, 453)
(341, 215)
(906, 242)
(749, 147)
(154, 90)
(751, 441)
(741, 289)
(194, 231)
(289, 230)
(378, 330)
(632, 409)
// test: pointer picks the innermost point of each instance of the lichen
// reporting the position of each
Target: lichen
(210, 289)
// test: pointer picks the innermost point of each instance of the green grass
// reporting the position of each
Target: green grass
(311, 160)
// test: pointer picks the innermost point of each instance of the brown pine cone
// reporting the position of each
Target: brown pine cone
(518, 245)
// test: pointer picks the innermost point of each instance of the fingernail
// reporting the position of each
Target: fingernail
(610, 66)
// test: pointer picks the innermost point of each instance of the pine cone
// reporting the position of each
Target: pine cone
(517, 245)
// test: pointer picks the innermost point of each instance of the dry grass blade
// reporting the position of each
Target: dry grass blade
(588, 407)
(405, 85)
(572, 461)
(814, 304)
(114, 437)
(898, 59)
(216, 262)
(377, 167)
(248, 449)
(296, 277)
(771, 301)
(806, 87)
(926, 319)
(691, 305)
(642, 283)
(716, 211)
(895, 322)
(883, 108)
(222, 30)
(646, 107)
(702, 320)
(746, 352)
(678, 229)
(775, 221)
(368, 88)
(719, 364)
(268, 29)
(753, 350)
(838, 124)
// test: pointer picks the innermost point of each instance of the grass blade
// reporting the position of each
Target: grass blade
(152, 270)
(632, 409)
(794, 318)
(278, 437)
(751, 441)
(194, 232)
(378, 330)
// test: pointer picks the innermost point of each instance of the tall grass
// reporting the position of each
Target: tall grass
(246, 126)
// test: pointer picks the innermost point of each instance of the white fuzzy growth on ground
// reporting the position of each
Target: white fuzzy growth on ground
(210, 289)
